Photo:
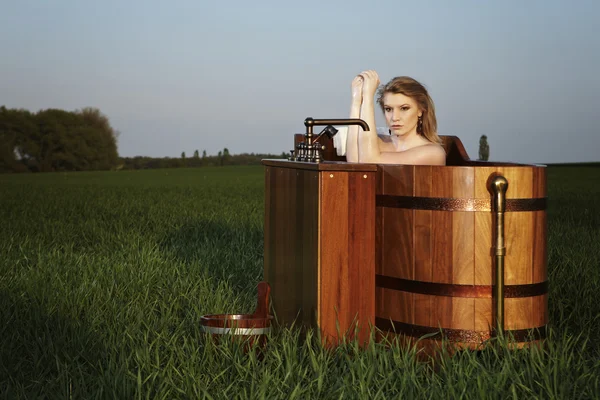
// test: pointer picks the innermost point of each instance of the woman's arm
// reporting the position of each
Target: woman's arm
(368, 141)
(352, 137)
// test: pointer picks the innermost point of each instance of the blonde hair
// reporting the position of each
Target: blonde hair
(410, 87)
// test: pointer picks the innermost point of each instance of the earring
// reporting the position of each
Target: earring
(390, 131)
(420, 125)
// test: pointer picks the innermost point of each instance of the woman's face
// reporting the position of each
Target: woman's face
(401, 113)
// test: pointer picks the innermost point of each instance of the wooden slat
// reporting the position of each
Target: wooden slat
(423, 237)
(397, 251)
(361, 251)
(483, 237)
(442, 256)
(518, 238)
(291, 229)
(463, 251)
(334, 254)
(380, 227)
(277, 274)
(269, 248)
(540, 253)
(308, 192)
(284, 259)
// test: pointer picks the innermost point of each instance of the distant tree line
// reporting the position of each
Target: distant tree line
(56, 140)
(83, 140)
(221, 159)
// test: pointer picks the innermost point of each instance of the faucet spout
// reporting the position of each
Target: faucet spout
(310, 122)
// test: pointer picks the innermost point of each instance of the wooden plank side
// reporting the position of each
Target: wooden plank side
(442, 256)
(379, 240)
(300, 252)
(334, 254)
(519, 233)
(361, 250)
(540, 251)
(484, 241)
(267, 246)
(423, 237)
(463, 248)
(287, 245)
(389, 310)
(540, 238)
(283, 275)
(276, 273)
(307, 219)
(397, 246)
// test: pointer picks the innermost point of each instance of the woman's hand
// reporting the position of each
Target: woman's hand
(371, 83)
(357, 89)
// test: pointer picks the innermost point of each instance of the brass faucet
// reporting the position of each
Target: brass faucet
(310, 149)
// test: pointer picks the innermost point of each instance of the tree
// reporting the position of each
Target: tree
(15, 127)
(226, 160)
(196, 154)
(183, 155)
(203, 153)
(484, 148)
(103, 142)
(57, 140)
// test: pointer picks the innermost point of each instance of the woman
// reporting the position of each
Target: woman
(410, 116)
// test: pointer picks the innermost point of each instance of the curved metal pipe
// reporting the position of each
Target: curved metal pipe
(499, 187)
(310, 122)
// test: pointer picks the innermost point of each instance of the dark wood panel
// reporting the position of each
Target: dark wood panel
(347, 253)
(308, 187)
(334, 254)
(290, 243)
(268, 228)
(397, 234)
(423, 243)
(361, 249)
(285, 292)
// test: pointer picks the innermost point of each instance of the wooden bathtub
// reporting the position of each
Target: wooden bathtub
(408, 249)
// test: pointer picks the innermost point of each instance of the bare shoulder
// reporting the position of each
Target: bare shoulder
(431, 154)
(425, 154)
(434, 148)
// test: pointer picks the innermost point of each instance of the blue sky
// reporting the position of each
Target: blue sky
(185, 75)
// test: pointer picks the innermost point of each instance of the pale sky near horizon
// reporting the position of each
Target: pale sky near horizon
(185, 75)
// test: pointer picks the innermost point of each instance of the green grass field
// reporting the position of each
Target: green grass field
(104, 277)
